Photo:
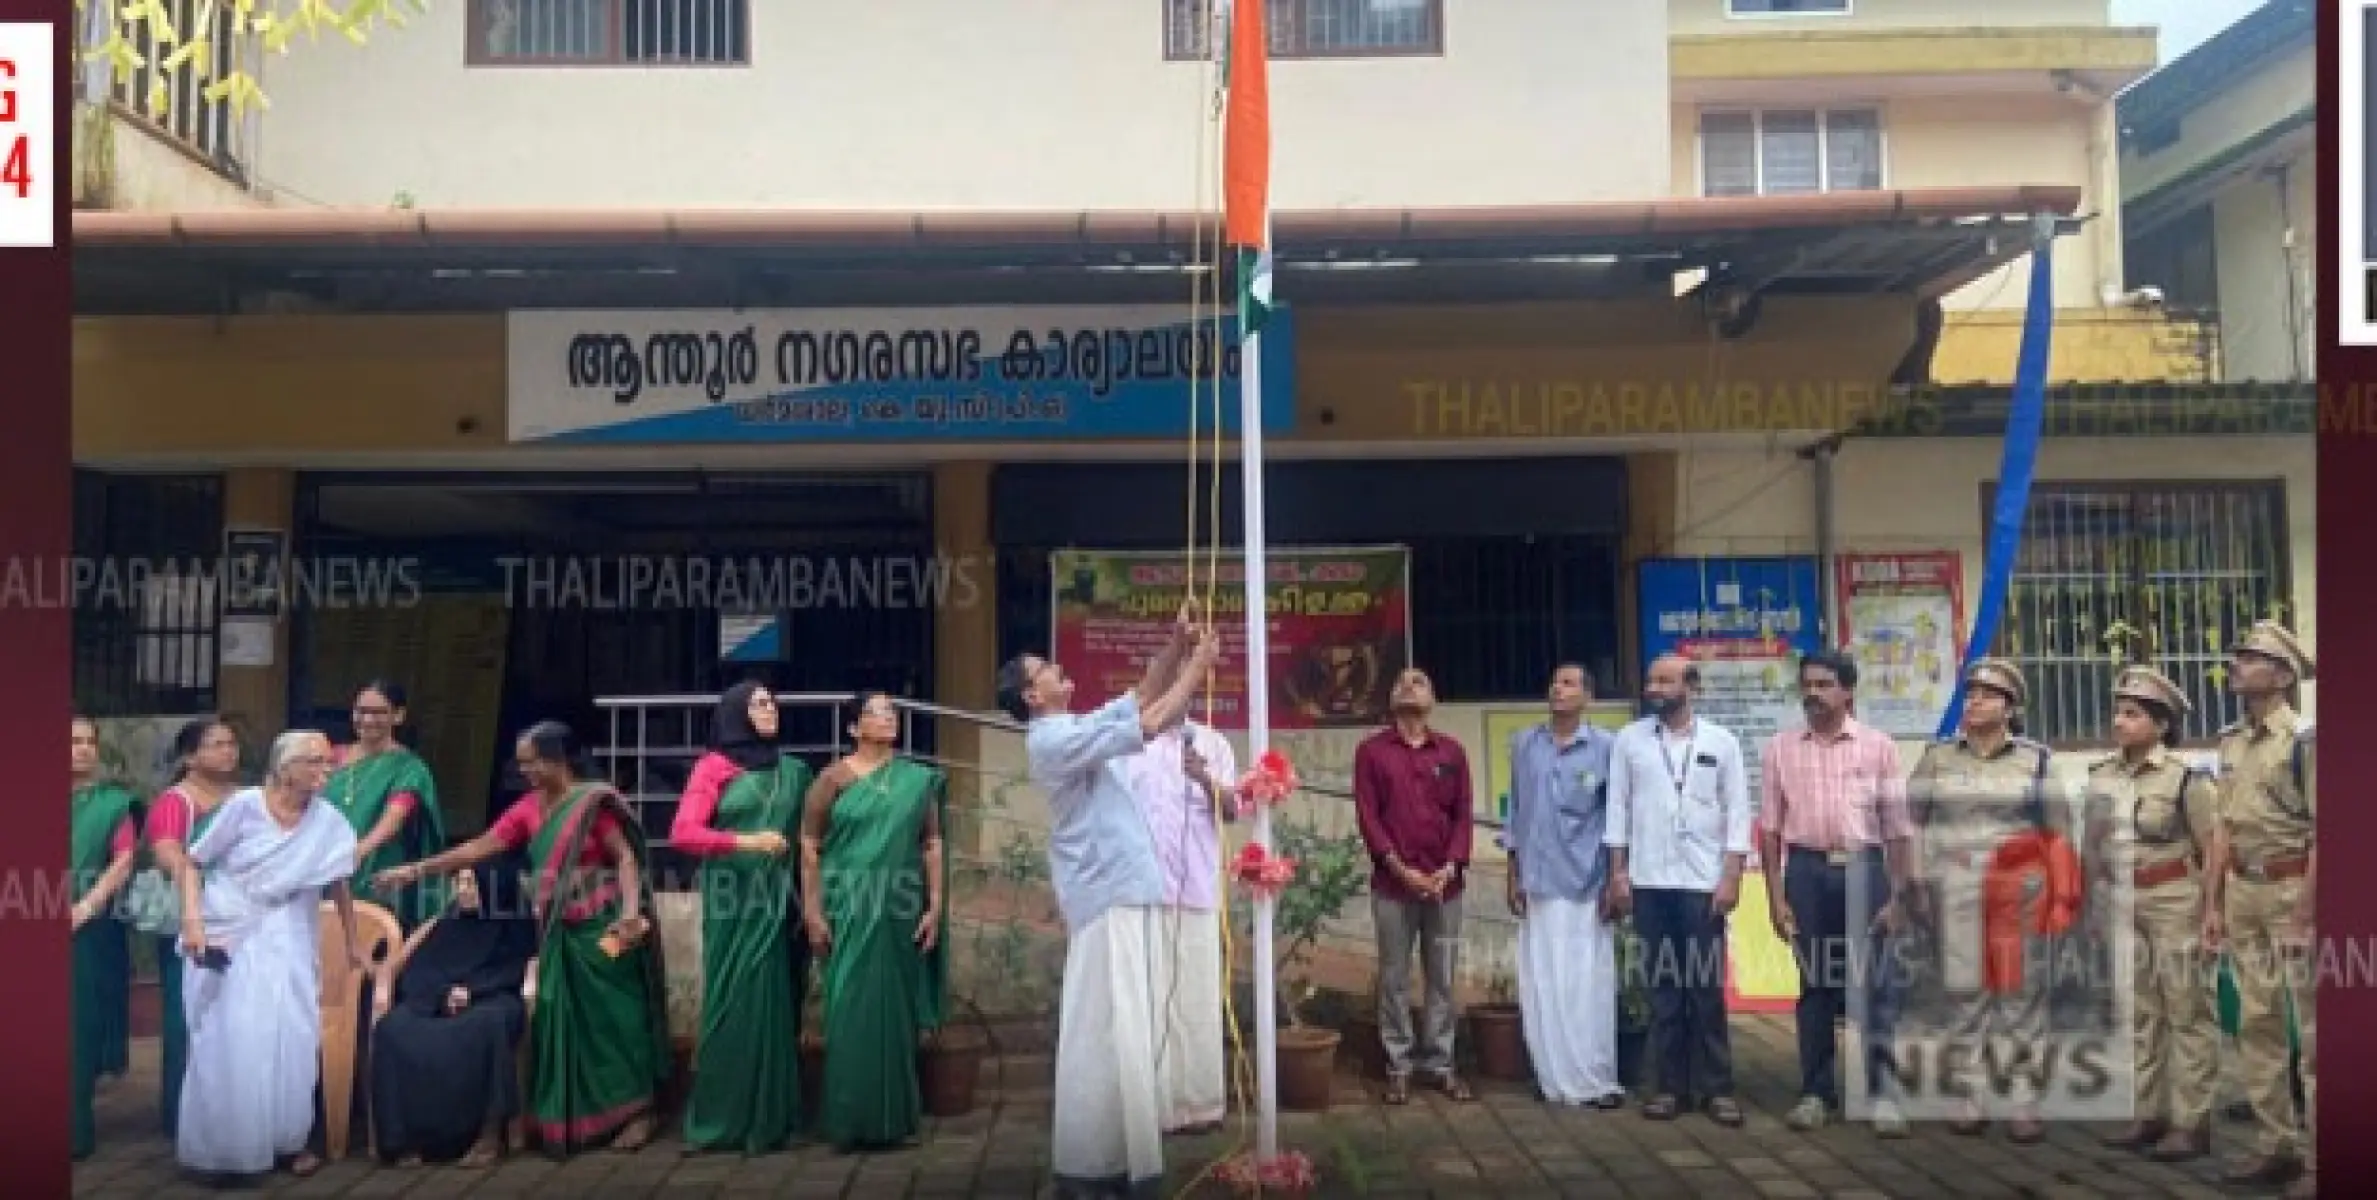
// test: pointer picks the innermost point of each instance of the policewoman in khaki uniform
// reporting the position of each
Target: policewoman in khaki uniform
(1968, 797)
(2262, 868)
(2167, 811)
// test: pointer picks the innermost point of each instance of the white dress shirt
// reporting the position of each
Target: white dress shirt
(1679, 802)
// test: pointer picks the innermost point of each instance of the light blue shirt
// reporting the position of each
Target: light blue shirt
(1558, 812)
(1100, 852)
(1678, 803)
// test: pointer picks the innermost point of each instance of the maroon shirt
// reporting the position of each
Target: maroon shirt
(1415, 802)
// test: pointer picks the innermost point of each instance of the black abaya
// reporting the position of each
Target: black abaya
(439, 1080)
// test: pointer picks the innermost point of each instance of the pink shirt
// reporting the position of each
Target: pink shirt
(692, 832)
(1827, 793)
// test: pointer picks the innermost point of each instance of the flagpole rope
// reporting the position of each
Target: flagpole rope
(1208, 331)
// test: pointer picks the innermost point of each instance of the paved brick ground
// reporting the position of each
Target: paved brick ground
(1507, 1145)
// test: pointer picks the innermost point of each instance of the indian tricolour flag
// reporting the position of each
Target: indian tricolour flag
(1246, 164)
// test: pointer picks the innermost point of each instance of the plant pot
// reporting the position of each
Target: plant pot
(948, 1066)
(1365, 1048)
(1631, 1040)
(1307, 1060)
(148, 1009)
(1501, 1041)
(812, 1074)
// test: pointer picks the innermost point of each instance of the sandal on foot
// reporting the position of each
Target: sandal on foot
(1662, 1108)
(304, 1165)
(1398, 1090)
(1453, 1089)
(1724, 1110)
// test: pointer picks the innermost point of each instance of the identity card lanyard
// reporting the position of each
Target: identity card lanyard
(1682, 772)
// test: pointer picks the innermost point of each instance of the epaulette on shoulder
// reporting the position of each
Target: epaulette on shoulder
(2029, 744)
(2108, 759)
(2303, 731)
(2232, 727)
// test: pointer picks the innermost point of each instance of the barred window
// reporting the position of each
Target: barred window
(1318, 28)
(2167, 574)
(146, 612)
(639, 33)
(173, 103)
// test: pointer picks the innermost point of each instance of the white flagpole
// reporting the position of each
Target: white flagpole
(1258, 648)
(1258, 730)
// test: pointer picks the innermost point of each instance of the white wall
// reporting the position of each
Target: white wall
(2261, 276)
(978, 104)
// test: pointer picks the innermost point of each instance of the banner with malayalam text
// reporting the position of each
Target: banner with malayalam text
(1902, 619)
(871, 375)
(1339, 627)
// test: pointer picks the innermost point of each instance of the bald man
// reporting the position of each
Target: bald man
(1678, 836)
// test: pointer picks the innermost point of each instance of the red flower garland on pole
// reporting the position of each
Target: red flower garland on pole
(1261, 872)
(1271, 782)
(1288, 1174)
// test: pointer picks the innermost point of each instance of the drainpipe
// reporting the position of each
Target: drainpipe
(2289, 260)
(1819, 457)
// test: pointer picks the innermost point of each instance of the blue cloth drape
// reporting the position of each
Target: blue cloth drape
(2020, 461)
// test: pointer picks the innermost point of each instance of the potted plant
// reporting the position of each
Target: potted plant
(1309, 876)
(1501, 1042)
(1634, 1005)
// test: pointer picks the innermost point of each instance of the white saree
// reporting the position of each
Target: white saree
(1568, 999)
(256, 1025)
(1111, 1088)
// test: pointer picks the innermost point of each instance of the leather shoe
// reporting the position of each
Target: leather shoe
(2263, 1170)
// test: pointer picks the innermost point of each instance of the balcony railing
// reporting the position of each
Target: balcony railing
(172, 106)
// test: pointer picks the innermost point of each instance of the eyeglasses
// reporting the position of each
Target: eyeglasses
(361, 711)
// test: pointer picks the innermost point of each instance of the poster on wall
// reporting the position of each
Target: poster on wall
(1339, 628)
(1902, 620)
(1746, 622)
(1504, 725)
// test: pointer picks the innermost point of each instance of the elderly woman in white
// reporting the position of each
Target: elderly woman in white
(250, 910)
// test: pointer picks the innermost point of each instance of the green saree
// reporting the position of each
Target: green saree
(600, 1038)
(175, 1051)
(881, 993)
(361, 790)
(102, 978)
(746, 1075)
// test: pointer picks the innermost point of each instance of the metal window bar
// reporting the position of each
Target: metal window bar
(207, 129)
(1316, 28)
(147, 617)
(640, 32)
(2109, 575)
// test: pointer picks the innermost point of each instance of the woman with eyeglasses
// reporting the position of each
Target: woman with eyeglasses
(388, 797)
(599, 1035)
(872, 884)
(205, 773)
(737, 815)
(251, 903)
(100, 856)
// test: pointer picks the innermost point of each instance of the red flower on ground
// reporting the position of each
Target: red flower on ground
(1272, 780)
(1288, 1174)
(1261, 872)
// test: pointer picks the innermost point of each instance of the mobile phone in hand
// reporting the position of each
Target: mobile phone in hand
(214, 958)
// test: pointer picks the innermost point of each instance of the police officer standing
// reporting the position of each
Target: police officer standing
(1969, 797)
(2169, 810)
(2262, 872)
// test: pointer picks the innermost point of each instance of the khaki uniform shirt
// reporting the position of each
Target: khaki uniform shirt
(2164, 811)
(2264, 811)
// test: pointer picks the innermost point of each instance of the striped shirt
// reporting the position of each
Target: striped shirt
(1825, 793)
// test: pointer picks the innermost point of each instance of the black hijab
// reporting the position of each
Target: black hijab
(732, 735)
(486, 951)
